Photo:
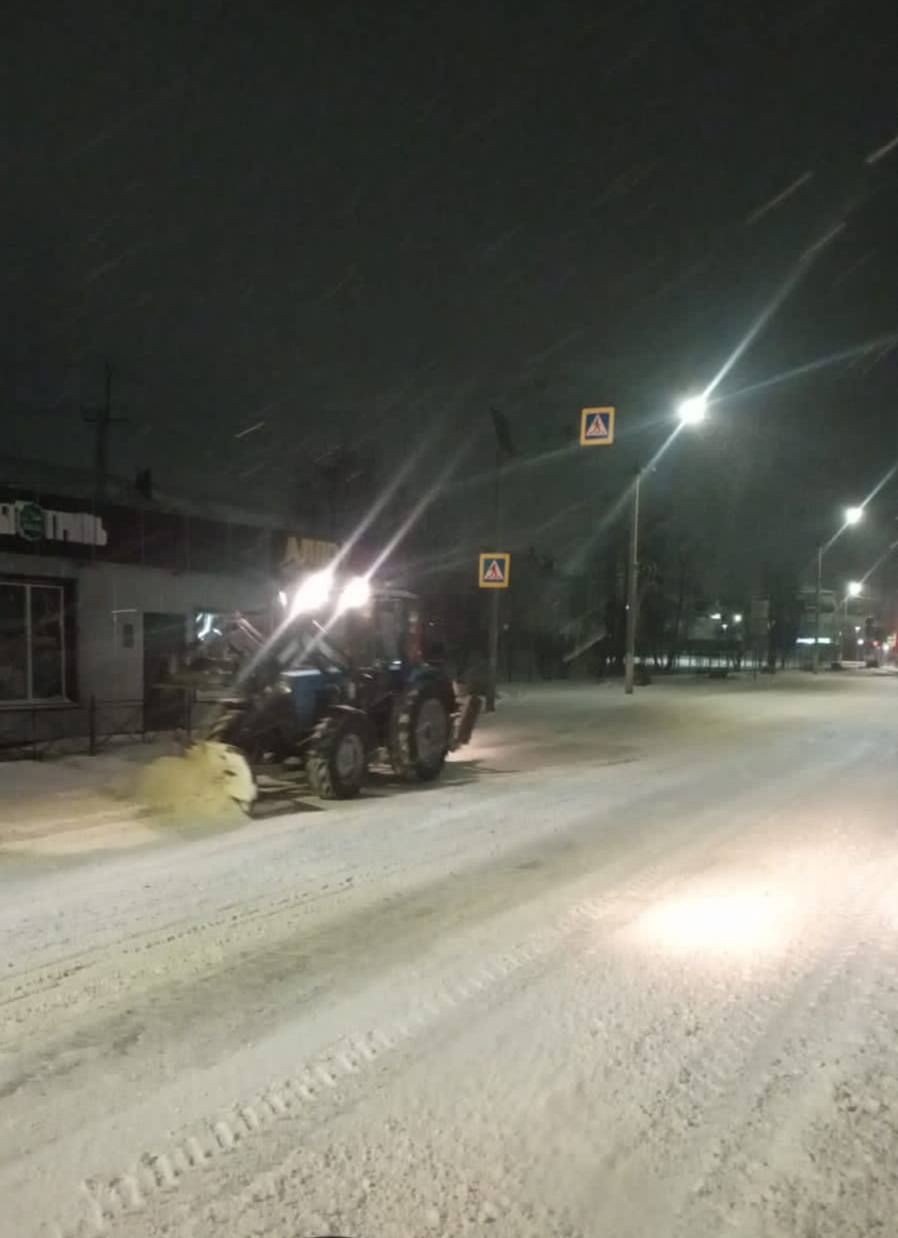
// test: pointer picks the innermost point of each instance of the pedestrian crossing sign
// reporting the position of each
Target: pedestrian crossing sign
(596, 427)
(495, 569)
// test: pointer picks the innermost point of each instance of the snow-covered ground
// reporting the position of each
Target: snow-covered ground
(629, 970)
(75, 804)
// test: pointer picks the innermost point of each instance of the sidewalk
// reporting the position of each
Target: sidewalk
(74, 803)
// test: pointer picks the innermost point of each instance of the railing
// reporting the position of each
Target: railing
(36, 731)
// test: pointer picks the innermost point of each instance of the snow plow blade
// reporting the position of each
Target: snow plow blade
(211, 780)
(465, 721)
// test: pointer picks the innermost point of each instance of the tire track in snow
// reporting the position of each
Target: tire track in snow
(322, 1079)
(104, 1200)
(234, 919)
(159, 1171)
(102, 978)
(851, 981)
(690, 1127)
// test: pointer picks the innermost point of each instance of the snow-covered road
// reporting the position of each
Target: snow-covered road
(631, 970)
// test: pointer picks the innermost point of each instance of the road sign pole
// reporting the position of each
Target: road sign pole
(632, 590)
(597, 430)
(816, 662)
(493, 669)
(493, 666)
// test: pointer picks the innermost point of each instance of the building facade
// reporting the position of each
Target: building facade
(96, 600)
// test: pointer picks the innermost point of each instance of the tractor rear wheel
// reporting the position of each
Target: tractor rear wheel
(337, 763)
(420, 732)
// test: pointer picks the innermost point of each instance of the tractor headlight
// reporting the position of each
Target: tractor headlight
(313, 593)
(356, 593)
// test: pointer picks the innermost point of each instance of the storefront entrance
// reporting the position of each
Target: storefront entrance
(164, 641)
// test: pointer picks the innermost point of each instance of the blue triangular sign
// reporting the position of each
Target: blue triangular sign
(597, 425)
(495, 573)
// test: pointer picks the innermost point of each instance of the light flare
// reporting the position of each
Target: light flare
(313, 593)
(795, 276)
(356, 593)
(886, 341)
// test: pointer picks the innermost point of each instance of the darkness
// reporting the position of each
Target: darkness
(363, 225)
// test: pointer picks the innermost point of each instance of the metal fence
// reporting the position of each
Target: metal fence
(37, 731)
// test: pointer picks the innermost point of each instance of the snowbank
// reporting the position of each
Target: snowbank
(74, 803)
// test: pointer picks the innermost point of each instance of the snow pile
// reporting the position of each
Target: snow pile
(209, 782)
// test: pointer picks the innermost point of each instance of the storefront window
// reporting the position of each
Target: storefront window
(46, 642)
(32, 649)
(13, 643)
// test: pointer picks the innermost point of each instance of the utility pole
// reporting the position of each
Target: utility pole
(632, 589)
(101, 419)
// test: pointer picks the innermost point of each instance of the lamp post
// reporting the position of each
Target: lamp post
(852, 516)
(691, 412)
(632, 590)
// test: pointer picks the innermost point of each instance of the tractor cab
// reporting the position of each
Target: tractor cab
(363, 625)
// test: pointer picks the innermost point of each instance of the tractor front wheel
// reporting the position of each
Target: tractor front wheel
(420, 732)
(337, 763)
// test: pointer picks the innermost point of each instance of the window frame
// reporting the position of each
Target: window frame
(29, 583)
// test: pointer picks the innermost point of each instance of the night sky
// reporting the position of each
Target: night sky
(366, 224)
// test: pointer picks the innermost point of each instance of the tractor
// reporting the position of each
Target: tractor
(338, 685)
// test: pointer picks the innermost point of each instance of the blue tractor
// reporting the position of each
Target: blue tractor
(340, 684)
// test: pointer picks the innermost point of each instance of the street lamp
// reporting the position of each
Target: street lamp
(693, 410)
(851, 517)
(855, 588)
(690, 411)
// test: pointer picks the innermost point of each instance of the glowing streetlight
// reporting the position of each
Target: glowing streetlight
(693, 410)
(853, 514)
(855, 588)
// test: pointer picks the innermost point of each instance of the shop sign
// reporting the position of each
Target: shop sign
(33, 523)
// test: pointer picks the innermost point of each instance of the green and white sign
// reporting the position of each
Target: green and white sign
(30, 521)
(33, 523)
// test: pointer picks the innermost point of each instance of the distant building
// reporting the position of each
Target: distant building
(830, 626)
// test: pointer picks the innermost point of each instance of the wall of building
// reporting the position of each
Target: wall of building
(111, 600)
(113, 596)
